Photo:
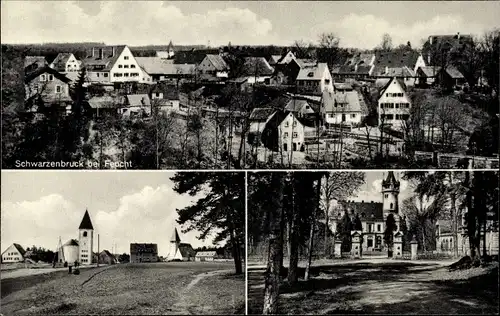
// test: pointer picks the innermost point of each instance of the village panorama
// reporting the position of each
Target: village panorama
(160, 251)
(312, 103)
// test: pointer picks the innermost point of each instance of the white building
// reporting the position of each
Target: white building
(205, 255)
(136, 105)
(342, 108)
(14, 253)
(66, 63)
(80, 250)
(214, 65)
(394, 104)
(179, 251)
(315, 79)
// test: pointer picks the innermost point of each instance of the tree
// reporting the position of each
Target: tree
(313, 222)
(220, 210)
(386, 44)
(271, 287)
(449, 118)
(344, 231)
(390, 228)
(328, 49)
(124, 258)
(303, 49)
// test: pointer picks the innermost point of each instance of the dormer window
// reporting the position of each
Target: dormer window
(310, 74)
(125, 57)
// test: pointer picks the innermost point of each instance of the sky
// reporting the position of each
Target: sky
(125, 207)
(359, 24)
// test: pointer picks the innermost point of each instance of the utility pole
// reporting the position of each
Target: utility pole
(97, 250)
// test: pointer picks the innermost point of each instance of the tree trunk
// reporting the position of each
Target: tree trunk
(311, 232)
(293, 246)
(271, 286)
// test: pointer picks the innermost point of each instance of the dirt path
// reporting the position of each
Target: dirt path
(182, 306)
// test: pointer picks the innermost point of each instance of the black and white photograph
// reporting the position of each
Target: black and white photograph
(250, 85)
(391, 242)
(122, 243)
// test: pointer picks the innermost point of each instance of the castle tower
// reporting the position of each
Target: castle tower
(390, 196)
(85, 240)
(173, 252)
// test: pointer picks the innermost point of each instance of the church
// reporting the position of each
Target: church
(78, 250)
(179, 251)
(373, 215)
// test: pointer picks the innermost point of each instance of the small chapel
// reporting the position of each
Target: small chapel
(179, 251)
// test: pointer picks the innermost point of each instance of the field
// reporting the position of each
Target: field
(383, 287)
(152, 289)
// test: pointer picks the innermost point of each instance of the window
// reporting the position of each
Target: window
(117, 74)
(84, 234)
(132, 66)
(51, 78)
(353, 115)
(125, 57)
(370, 243)
(286, 124)
(391, 206)
(370, 228)
(379, 228)
(285, 135)
(120, 66)
(386, 195)
(125, 66)
(294, 123)
(295, 135)
(327, 81)
(387, 94)
(125, 74)
(97, 75)
(105, 75)
(58, 89)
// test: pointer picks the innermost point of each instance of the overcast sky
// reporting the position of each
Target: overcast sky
(359, 24)
(125, 207)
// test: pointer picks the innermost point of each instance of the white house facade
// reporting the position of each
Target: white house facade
(394, 104)
(14, 253)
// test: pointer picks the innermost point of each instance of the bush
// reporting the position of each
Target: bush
(76, 271)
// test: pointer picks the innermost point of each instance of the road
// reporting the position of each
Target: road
(383, 287)
(140, 289)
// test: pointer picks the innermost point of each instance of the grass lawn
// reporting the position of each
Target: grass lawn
(153, 289)
(383, 288)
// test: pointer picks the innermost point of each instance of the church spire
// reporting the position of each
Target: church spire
(86, 222)
(390, 181)
(175, 237)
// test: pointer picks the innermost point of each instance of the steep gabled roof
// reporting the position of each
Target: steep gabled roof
(454, 73)
(295, 105)
(71, 242)
(347, 101)
(390, 180)
(257, 66)
(86, 222)
(60, 61)
(274, 59)
(401, 83)
(170, 92)
(261, 114)
(175, 236)
(429, 71)
(48, 70)
(186, 250)
(312, 73)
(39, 60)
(365, 210)
(160, 66)
(109, 254)
(143, 248)
(110, 55)
(218, 62)
(396, 58)
(138, 100)
(20, 249)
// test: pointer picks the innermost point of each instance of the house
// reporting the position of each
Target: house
(105, 105)
(284, 131)
(47, 87)
(258, 120)
(361, 59)
(113, 64)
(179, 251)
(397, 59)
(160, 69)
(79, 250)
(286, 58)
(106, 257)
(213, 65)
(136, 105)
(299, 107)
(427, 75)
(342, 87)
(165, 97)
(143, 253)
(256, 69)
(407, 75)
(438, 46)
(286, 74)
(315, 79)
(394, 104)
(372, 214)
(356, 71)
(273, 60)
(342, 108)
(205, 255)
(451, 78)
(66, 62)
(32, 63)
(14, 253)
(167, 54)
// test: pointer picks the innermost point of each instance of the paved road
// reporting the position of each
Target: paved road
(24, 272)
(147, 289)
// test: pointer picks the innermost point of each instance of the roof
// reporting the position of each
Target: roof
(261, 114)
(397, 58)
(86, 222)
(429, 71)
(175, 236)
(109, 56)
(349, 100)
(401, 83)
(143, 248)
(60, 61)
(138, 100)
(365, 210)
(170, 92)
(104, 102)
(218, 62)
(186, 250)
(20, 249)
(360, 58)
(257, 66)
(48, 70)
(312, 73)
(39, 60)
(454, 73)
(302, 62)
(107, 253)
(192, 56)
(71, 242)
(399, 72)
(159, 66)
(295, 105)
(206, 253)
(390, 180)
(342, 86)
(274, 59)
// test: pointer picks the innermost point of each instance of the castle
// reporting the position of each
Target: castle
(79, 250)
(373, 215)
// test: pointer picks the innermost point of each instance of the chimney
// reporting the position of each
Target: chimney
(458, 35)
(101, 53)
(93, 52)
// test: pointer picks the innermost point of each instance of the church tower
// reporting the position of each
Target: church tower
(170, 50)
(390, 196)
(85, 239)
(174, 252)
